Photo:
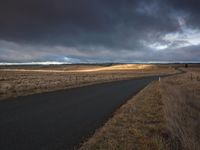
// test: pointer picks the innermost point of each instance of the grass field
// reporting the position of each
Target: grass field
(163, 116)
(26, 80)
(181, 101)
(136, 125)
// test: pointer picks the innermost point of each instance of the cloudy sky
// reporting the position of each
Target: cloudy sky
(99, 30)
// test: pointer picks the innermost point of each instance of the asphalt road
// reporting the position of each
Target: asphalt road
(61, 120)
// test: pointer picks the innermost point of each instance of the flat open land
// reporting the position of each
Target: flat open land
(25, 80)
(62, 119)
(163, 116)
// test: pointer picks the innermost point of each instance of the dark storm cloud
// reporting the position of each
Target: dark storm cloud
(90, 28)
(190, 7)
(76, 22)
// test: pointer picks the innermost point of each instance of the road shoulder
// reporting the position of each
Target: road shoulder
(138, 124)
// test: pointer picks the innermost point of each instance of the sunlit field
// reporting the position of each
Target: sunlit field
(26, 80)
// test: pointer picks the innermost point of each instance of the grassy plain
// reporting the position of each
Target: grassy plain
(163, 116)
(181, 105)
(25, 80)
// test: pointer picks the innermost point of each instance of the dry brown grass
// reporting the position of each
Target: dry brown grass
(21, 81)
(137, 125)
(164, 115)
(181, 98)
(72, 68)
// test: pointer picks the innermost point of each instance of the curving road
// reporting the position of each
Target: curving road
(62, 119)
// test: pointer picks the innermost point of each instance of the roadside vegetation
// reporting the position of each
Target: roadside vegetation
(181, 105)
(138, 124)
(163, 116)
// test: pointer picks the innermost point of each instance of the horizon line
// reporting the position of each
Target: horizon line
(69, 63)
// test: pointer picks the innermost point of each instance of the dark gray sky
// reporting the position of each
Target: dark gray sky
(99, 30)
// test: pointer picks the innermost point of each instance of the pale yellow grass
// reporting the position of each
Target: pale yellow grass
(22, 81)
(92, 69)
(120, 67)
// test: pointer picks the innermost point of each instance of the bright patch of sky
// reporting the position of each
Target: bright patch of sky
(188, 37)
(158, 46)
(185, 37)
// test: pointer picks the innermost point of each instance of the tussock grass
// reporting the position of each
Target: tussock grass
(181, 99)
(139, 124)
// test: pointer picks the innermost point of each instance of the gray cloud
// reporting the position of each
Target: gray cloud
(101, 30)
